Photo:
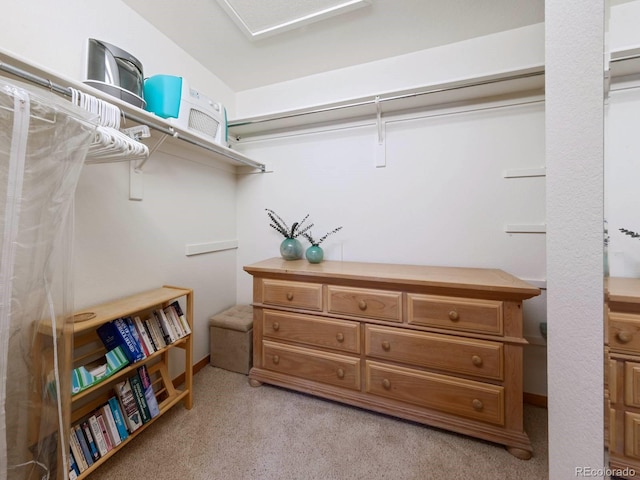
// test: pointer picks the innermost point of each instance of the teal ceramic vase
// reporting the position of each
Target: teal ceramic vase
(291, 249)
(314, 254)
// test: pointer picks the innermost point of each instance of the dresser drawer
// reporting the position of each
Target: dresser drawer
(473, 315)
(363, 302)
(632, 434)
(312, 330)
(314, 365)
(457, 355)
(632, 384)
(457, 396)
(292, 294)
(624, 332)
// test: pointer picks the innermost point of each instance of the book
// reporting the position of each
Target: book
(76, 449)
(134, 333)
(84, 446)
(116, 333)
(74, 471)
(172, 316)
(142, 333)
(149, 394)
(185, 323)
(155, 335)
(130, 410)
(151, 334)
(138, 395)
(154, 325)
(166, 325)
(118, 418)
(173, 324)
(98, 438)
(93, 448)
(161, 328)
(112, 429)
(123, 327)
(105, 434)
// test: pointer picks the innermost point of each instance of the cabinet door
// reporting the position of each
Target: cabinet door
(611, 426)
(632, 384)
(632, 434)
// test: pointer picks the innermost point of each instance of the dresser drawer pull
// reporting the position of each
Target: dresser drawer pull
(453, 316)
(340, 337)
(624, 337)
(386, 346)
(276, 359)
(477, 405)
(386, 384)
(476, 360)
(275, 326)
(362, 305)
(289, 296)
(340, 373)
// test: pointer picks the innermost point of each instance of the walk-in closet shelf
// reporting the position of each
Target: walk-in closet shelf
(164, 135)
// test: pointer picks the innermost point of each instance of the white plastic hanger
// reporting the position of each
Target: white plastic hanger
(110, 143)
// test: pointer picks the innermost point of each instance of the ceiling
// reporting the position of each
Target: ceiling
(378, 30)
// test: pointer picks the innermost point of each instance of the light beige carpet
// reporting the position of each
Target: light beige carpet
(237, 432)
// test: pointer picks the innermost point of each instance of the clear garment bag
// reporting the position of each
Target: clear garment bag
(44, 140)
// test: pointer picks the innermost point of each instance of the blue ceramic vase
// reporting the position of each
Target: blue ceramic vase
(291, 249)
(314, 254)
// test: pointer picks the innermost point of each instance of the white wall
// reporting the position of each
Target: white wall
(622, 148)
(521, 48)
(54, 34)
(442, 198)
(123, 246)
(622, 171)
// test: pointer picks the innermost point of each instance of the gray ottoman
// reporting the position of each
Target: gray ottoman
(231, 339)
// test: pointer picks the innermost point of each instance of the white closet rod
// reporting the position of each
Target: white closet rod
(46, 83)
(35, 79)
(381, 99)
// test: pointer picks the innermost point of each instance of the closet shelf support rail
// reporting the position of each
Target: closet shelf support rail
(379, 99)
(66, 91)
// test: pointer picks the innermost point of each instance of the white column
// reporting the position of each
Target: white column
(574, 39)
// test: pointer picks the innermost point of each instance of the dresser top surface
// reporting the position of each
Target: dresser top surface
(460, 278)
(622, 289)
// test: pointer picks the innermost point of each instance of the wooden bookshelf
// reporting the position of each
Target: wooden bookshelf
(87, 346)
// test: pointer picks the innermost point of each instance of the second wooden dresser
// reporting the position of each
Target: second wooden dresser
(436, 345)
(622, 375)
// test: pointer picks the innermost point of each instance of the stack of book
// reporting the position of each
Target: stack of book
(133, 404)
(140, 338)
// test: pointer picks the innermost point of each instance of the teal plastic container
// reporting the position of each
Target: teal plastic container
(163, 94)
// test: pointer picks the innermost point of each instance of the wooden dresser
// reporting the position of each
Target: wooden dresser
(622, 375)
(436, 345)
